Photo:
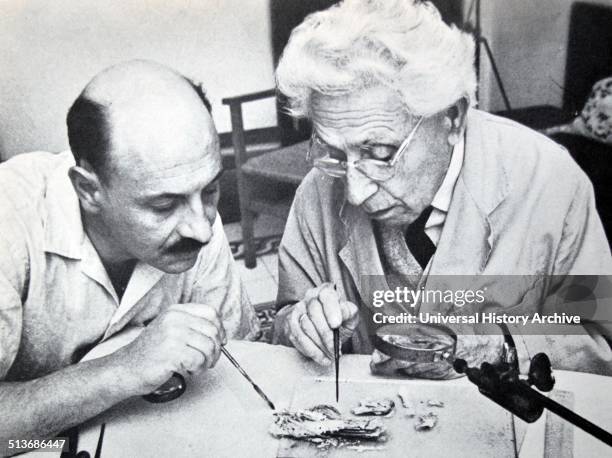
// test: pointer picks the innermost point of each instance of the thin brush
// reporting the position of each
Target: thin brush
(246, 376)
(337, 360)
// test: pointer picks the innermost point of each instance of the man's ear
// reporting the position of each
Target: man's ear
(455, 118)
(88, 187)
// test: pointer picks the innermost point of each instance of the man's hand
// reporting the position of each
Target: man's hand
(308, 324)
(185, 338)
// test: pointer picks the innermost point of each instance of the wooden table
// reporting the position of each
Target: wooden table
(220, 415)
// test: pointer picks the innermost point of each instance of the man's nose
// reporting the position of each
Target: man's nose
(358, 186)
(197, 221)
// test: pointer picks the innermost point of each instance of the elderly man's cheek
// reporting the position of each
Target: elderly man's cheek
(358, 188)
(397, 193)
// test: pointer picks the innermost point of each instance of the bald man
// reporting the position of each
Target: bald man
(122, 232)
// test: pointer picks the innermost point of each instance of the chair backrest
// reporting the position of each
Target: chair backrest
(589, 52)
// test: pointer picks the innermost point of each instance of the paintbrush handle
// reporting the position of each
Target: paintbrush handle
(337, 360)
(229, 356)
(235, 363)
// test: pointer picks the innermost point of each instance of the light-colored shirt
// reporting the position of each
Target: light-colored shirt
(442, 199)
(522, 212)
(56, 299)
(396, 257)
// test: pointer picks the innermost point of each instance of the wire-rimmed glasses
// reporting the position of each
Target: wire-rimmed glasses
(326, 158)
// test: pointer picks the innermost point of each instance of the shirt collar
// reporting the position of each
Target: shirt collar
(64, 232)
(442, 199)
(65, 236)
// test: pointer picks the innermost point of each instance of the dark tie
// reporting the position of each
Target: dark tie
(419, 244)
(404, 254)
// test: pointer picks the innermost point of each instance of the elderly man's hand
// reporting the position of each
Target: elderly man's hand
(308, 325)
(475, 349)
(185, 338)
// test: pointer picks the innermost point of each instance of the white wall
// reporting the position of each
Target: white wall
(50, 49)
(529, 42)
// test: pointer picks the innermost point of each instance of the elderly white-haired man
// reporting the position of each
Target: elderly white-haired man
(412, 182)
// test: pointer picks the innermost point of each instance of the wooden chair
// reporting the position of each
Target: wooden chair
(267, 178)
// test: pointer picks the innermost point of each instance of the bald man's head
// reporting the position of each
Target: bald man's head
(116, 98)
(148, 165)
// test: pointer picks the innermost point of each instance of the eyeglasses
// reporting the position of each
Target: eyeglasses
(325, 158)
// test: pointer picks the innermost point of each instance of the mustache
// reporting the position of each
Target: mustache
(186, 245)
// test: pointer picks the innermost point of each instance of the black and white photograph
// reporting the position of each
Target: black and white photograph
(306, 228)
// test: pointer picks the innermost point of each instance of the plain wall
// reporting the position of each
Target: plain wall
(50, 49)
(529, 42)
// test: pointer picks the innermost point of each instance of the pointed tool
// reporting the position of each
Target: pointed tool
(337, 360)
(246, 376)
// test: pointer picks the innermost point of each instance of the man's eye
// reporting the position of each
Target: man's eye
(337, 154)
(379, 152)
(212, 190)
(163, 206)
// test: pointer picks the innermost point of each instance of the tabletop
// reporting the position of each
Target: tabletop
(220, 415)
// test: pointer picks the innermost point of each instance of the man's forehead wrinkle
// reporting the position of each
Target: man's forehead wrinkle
(380, 129)
(185, 169)
(354, 109)
(354, 115)
(370, 127)
(373, 121)
(158, 150)
(177, 183)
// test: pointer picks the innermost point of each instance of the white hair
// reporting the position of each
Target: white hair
(401, 44)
